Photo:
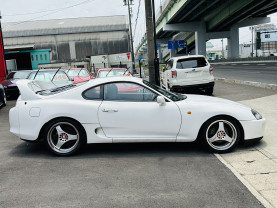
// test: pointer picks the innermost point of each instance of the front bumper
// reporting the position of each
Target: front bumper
(253, 129)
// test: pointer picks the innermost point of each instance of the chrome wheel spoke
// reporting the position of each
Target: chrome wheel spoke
(220, 126)
(213, 138)
(227, 139)
(72, 137)
(59, 130)
(59, 144)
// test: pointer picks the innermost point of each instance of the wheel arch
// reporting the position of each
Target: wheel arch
(219, 116)
(40, 137)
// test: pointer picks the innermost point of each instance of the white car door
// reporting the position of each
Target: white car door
(129, 112)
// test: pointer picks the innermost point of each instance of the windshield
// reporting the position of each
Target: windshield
(48, 76)
(77, 72)
(112, 73)
(191, 63)
(18, 75)
(170, 95)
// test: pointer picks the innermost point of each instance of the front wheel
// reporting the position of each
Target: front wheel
(220, 134)
(64, 137)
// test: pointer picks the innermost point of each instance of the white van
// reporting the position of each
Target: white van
(188, 72)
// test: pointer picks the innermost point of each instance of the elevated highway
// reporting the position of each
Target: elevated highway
(202, 20)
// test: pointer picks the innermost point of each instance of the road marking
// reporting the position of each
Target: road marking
(261, 64)
(245, 182)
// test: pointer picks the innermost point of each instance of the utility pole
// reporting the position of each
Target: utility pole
(153, 64)
(252, 53)
(3, 68)
(222, 48)
(127, 2)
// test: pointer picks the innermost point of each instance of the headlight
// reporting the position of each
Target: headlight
(256, 114)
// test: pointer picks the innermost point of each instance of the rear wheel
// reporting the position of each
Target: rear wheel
(4, 100)
(64, 137)
(209, 91)
(220, 134)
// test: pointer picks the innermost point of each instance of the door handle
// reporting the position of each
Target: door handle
(109, 110)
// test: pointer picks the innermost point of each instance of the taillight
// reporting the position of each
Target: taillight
(173, 73)
(211, 69)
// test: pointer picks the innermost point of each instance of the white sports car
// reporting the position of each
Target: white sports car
(128, 109)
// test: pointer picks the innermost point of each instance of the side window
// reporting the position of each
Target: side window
(126, 91)
(92, 93)
(169, 65)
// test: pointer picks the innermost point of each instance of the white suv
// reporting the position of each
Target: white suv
(188, 72)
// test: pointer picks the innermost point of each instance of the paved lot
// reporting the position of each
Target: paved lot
(121, 175)
(264, 72)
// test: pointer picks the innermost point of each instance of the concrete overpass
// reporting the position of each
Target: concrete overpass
(203, 20)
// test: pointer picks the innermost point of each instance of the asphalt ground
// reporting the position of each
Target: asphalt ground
(121, 175)
(264, 72)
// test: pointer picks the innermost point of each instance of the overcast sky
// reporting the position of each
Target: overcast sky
(25, 10)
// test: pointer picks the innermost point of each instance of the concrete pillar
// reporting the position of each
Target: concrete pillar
(200, 39)
(72, 50)
(173, 53)
(233, 43)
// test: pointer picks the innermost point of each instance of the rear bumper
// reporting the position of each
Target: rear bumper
(195, 86)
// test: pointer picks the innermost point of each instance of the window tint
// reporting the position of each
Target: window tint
(92, 93)
(191, 63)
(125, 91)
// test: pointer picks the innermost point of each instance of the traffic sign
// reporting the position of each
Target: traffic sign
(174, 44)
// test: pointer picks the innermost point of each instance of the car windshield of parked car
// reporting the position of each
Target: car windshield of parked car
(113, 73)
(170, 95)
(77, 72)
(48, 76)
(18, 75)
(191, 63)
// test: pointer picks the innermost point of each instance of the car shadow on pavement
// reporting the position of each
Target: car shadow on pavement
(39, 150)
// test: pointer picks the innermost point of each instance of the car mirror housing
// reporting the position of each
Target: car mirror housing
(161, 100)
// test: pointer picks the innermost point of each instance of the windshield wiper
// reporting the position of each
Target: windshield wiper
(125, 72)
(36, 73)
(109, 72)
(55, 74)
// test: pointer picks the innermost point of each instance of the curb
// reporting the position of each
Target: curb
(258, 196)
(249, 83)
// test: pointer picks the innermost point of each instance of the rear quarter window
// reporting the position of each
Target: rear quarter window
(191, 63)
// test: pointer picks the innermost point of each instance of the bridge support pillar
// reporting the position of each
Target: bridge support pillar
(200, 39)
(233, 43)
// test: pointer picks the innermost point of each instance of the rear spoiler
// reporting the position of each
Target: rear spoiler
(29, 88)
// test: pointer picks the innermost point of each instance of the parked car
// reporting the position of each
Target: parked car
(9, 82)
(97, 112)
(78, 74)
(111, 72)
(188, 72)
(3, 99)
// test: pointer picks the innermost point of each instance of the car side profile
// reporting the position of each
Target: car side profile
(186, 72)
(128, 109)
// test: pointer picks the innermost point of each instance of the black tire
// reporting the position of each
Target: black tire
(220, 134)
(209, 91)
(3, 100)
(64, 137)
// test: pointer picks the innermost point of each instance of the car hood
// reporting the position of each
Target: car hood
(9, 82)
(209, 100)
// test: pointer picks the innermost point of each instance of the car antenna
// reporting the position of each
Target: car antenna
(109, 71)
(36, 73)
(55, 74)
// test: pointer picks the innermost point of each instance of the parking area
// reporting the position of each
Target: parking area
(122, 175)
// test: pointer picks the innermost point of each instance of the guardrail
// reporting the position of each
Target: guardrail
(266, 58)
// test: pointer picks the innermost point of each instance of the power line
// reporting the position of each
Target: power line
(62, 8)
(137, 18)
(50, 13)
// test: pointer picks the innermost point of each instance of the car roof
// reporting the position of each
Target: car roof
(187, 57)
(107, 69)
(103, 80)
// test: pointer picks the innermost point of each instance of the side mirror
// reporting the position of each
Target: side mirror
(161, 100)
